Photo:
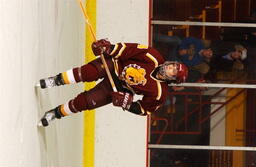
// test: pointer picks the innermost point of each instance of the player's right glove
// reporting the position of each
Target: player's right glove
(101, 46)
(122, 99)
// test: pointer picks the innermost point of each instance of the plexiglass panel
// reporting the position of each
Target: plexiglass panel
(204, 10)
(221, 54)
(218, 44)
(201, 158)
(207, 116)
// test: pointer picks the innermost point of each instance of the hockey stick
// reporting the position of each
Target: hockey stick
(94, 38)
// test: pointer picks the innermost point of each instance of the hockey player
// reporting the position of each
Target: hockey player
(135, 68)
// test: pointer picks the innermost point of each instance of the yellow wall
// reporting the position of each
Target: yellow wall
(89, 116)
(235, 118)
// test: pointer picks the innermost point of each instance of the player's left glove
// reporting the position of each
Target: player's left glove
(122, 99)
(101, 46)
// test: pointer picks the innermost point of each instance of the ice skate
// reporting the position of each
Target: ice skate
(50, 116)
(51, 81)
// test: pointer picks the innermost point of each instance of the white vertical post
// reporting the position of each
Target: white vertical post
(197, 147)
(213, 85)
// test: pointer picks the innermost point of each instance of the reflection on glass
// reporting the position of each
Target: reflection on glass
(217, 55)
(205, 11)
(201, 158)
(179, 158)
(207, 115)
(229, 50)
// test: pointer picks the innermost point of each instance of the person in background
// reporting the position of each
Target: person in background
(193, 53)
(190, 50)
(229, 56)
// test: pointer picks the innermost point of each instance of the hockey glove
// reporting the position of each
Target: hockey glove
(101, 46)
(122, 99)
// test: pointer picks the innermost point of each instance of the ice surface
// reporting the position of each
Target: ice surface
(38, 38)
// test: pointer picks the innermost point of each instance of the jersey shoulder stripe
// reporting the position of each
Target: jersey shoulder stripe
(153, 59)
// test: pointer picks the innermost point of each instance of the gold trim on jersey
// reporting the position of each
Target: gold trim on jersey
(157, 107)
(115, 62)
(121, 50)
(140, 46)
(159, 87)
(152, 58)
(149, 113)
(114, 50)
(141, 109)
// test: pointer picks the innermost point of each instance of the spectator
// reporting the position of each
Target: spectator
(229, 56)
(191, 51)
(195, 55)
(173, 43)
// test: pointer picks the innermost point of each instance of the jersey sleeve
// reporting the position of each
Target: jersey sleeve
(149, 103)
(126, 51)
(145, 106)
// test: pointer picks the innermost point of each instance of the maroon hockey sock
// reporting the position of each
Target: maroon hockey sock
(86, 73)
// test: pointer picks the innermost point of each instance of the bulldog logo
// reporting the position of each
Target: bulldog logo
(134, 75)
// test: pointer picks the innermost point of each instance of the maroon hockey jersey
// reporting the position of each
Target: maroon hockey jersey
(134, 64)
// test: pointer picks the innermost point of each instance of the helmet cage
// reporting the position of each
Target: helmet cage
(182, 72)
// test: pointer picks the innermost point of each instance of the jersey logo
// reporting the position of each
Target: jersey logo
(134, 75)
